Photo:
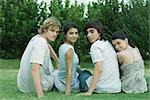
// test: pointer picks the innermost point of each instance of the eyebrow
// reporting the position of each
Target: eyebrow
(90, 30)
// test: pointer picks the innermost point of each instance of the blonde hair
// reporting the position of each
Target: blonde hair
(51, 21)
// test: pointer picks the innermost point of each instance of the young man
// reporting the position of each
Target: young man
(105, 78)
(35, 73)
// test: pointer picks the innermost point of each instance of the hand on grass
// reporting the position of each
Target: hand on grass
(84, 94)
(67, 93)
(41, 96)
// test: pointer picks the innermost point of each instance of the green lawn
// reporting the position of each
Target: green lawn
(9, 91)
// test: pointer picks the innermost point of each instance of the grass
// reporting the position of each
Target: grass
(9, 90)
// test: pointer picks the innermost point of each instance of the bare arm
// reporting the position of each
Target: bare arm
(96, 74)
(69, 60)
(119, 56)
(36, 79)
(54, 55)
(125, 57)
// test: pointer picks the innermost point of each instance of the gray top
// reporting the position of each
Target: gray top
(132, 77)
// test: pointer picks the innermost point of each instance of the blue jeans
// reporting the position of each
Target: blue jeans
(83, 76)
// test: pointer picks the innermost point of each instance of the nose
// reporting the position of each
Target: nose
(117, 47)
(55, 33)
(88, 34)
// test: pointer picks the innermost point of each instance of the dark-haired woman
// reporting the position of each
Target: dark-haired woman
(132, 64)
(66, 80)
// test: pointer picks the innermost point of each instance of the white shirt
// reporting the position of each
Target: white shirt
(109, 81)
(37, 51)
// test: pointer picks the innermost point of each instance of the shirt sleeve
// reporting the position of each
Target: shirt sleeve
(67, 48)
(38, 53)
(96, 54)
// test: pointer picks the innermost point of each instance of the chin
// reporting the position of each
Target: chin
(120, 50)
(91, 41)
(51, 39)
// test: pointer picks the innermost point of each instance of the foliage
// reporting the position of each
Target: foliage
(131, 18)
(18, 24)
(135, 23)
(20, 19)
(67, 14)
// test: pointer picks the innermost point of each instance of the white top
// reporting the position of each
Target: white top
(109, 80)
(37, 51)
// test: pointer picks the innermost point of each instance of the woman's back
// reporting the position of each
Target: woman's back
(132, 73)
(62, 74)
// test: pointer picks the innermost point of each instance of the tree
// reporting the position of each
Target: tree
(18, 21)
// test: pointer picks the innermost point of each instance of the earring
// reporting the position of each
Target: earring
(126, 39)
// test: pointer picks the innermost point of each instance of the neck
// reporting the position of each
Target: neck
(44, 37)
(129, 47)
(99, 38)
(69, 43)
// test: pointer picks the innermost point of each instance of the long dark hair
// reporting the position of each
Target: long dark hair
(123, 36)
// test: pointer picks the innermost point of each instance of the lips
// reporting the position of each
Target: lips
(54, 37)
(90, 39)
(74, 39)
(119, 49)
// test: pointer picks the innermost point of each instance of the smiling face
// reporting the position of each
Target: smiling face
(92, 35)
(72, 35)
(51, 33)
(120, 44)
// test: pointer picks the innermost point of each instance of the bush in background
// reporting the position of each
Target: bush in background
(20, 19)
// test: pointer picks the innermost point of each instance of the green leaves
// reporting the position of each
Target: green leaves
(20, 19)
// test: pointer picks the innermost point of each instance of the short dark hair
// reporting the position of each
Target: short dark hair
(94, 24)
